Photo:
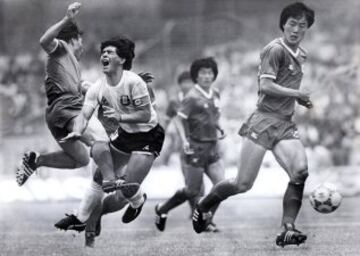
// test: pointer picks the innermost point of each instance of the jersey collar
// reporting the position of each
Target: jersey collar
(203, 92)
(294, 54)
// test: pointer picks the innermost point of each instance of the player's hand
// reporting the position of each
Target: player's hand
(147, 77)
(85, 85)
(73, 10)
(303, 95)
(187, 149)
(306, 103)
(111, 113)
(70, 136)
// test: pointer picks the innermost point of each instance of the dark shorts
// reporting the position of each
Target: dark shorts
(267, 129)
(151, 141)
(205, 153)
(58, 117)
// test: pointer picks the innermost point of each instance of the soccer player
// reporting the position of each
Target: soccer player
(270, 127)
(63, 44)
(184, 83)
(198, 123)
(126, 112)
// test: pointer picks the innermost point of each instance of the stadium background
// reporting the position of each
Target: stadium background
(169, 35)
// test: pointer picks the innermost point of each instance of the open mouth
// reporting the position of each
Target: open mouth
(105, 62)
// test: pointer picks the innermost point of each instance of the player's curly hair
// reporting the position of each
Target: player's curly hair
(296, 10)
(203, 63)
(185, 75)
(69, 31)
(124, 49)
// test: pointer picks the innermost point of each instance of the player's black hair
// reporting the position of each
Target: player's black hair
(296, 10)
(203, 63)
(69, 31)
(185, 75)
(124, 49)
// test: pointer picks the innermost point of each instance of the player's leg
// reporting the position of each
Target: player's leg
(251, 157)
(136, 170)
(216, 173)
(193, 185)
(292, 157)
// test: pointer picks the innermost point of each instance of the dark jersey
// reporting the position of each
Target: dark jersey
(202, 112)
(285, 67)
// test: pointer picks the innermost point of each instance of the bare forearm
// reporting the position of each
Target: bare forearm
(181, 125)
(52, 32)
(273, 89)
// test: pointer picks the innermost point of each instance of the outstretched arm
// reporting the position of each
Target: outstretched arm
(47, 40)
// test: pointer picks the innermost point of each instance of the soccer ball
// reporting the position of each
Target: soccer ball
(325, 198)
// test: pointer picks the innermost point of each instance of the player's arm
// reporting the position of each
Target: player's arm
(268, 86)
(47, 40)
(141, 102)
(82, 120)
(182, 122)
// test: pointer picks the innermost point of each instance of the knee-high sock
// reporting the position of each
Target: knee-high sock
(219, 192)
(91, 198)
(292, 202)
(178, 198)
(193, 201)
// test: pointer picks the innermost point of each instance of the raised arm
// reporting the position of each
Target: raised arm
(47, 40)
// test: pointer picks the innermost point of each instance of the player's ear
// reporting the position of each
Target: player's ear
(122, 60)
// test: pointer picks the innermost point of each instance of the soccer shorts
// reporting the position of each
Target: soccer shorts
(205, 153)
(148, 142)
(267, 129)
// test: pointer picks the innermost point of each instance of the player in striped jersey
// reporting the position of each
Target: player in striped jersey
(271, 127)
(130, 119)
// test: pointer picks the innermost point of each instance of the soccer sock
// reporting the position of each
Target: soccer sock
(92, 197)
(101, 154)
(178, 198)
(213, 210)
(193, 201)
(58, 159)
(292, 202)
(219, 192)
(137, 200)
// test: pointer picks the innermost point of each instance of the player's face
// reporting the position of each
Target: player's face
(294, 30)
(78, 47)
(110, 60)
(205, 77)
(186, 85)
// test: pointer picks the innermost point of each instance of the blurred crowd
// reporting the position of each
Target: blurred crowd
(330, 130)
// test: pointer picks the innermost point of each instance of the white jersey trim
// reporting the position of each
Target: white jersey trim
(294, 54)
(55, 47)
(182, 115)
(267, 76)
(203, 92)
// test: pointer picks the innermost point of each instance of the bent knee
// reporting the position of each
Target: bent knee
(300, 176)
(191, 193)
(242, 186)
(82, 161)
(97, 148)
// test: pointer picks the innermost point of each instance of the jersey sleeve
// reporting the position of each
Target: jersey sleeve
(186, 107)
(140, 93)
(92, 95)
(270, 62)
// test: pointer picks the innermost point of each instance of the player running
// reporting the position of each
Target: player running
(184, 83)
(270, 127)
(198, 123)
(126, 112)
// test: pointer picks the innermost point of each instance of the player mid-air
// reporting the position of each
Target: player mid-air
(198, 123)
(271, 127)
(127, 114)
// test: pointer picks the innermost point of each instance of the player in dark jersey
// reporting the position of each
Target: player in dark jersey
(185, 84)
(63, 44)
(198, 123)
(270, 127)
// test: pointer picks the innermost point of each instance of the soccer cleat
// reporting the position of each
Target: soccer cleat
(70, 222)
(132, 213)
(200, 220)
(212, 228)
(290, 235)
(160, 219)
(90, 239)
(128, 189)
(27, 167)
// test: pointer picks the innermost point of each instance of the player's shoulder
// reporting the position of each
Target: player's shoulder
(275, 47)
(132, 77)
(216, 92)
(192, 94)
